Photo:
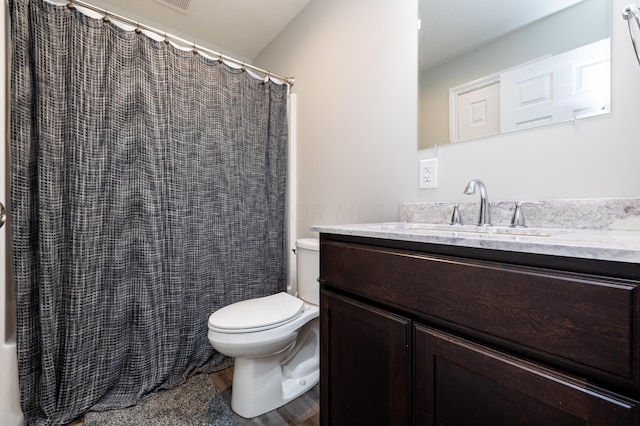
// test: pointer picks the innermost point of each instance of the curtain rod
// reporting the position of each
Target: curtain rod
(167, 36)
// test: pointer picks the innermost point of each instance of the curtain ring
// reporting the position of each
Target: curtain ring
(105, 18)
(70, 5)
(166, 39)
(243, 67)
(195, 49)
(220, 58)
(138, 30)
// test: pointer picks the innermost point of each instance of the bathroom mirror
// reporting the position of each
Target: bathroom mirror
(466, 45)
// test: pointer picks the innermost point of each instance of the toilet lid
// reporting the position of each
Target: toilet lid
(257, 314)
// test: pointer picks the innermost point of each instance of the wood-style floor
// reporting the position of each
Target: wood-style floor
(303, 411)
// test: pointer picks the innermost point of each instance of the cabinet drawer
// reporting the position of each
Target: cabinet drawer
(589, 320)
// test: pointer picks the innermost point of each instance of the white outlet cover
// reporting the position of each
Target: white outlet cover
(429, 173)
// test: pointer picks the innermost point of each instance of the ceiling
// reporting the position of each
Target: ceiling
(238, 28)
(450, 28)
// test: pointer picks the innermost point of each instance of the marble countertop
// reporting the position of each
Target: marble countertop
(601, 244)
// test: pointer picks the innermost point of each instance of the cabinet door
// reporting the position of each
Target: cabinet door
(365, 364)
(461, 383)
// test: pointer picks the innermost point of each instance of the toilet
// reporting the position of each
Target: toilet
(275, 340)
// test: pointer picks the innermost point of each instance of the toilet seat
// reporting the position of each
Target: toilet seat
(258, 314)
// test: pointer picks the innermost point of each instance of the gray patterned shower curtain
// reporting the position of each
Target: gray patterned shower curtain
(147, 191)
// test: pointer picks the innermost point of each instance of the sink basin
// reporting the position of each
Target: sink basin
(473, 229)
(462, 229)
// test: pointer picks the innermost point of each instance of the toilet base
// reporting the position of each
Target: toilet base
(264, 384)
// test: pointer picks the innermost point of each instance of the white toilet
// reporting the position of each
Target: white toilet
(275, 340)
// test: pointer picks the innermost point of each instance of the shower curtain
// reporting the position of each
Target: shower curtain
(148, 190)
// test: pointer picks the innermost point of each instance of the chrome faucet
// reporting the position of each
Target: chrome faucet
(485, 212)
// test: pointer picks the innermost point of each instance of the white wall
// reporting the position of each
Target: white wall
(356, 85)
(355, 65)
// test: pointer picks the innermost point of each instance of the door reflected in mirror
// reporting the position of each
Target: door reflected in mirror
(510, 65)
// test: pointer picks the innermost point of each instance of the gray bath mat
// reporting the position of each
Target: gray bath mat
(196, 403)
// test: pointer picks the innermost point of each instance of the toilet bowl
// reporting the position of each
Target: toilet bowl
(274, 340)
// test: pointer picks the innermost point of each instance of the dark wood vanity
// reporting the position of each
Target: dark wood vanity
(430, 334)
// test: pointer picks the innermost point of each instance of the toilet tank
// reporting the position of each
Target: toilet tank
(308, 269)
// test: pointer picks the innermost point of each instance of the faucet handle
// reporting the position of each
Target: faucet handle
(455, 217)
(517, 221)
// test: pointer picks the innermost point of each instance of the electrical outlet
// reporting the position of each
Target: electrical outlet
(429, 173)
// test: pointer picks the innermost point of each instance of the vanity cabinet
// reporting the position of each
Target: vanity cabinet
(424, 334)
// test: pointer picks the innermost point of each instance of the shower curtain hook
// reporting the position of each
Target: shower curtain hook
(138, 30)
(105, 18)
(195, 49)
(243, 67)
(220, 58)
(166, 39)
(70, 5)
